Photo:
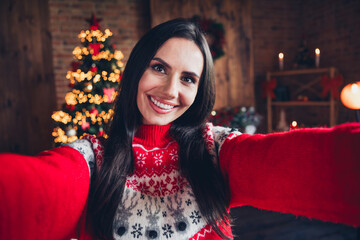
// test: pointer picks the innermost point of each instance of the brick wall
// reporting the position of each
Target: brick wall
(276, 28)
(334, 27)
(127, 19)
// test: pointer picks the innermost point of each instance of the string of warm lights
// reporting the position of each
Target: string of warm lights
(79, 52)
(107, 55)
(79, 76)
(61, 116)
(118, 55)
(88, 35)
(61, 137)
(71, 97)
(76, 96)
(66, 118)
(96, 99)
(78, 117)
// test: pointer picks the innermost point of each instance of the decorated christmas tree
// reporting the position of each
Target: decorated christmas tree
(95, 75)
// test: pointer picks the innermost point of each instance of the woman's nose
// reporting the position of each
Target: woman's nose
(170, 88)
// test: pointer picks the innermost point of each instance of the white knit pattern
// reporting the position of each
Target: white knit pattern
(158, 203)
(84, 146)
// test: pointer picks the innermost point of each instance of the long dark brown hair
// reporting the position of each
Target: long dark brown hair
(210, 188)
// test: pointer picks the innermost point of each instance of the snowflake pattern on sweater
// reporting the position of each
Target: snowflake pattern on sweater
(158, 202)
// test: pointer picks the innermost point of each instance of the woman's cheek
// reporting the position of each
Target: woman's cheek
(189, 97)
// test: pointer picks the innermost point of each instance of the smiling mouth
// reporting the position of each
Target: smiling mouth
(161, 105)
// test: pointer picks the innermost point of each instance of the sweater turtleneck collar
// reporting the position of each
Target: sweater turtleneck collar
(153, 135)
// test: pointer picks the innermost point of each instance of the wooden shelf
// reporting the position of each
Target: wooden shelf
(302, 86)
(302, 71)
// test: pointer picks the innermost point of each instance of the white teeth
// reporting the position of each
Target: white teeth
(161, 105)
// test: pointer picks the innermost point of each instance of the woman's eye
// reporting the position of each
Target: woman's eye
(189, 79)
(159, 68)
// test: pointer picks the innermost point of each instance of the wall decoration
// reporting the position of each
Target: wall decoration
(331, 84)
(214, 33)
(303, 58)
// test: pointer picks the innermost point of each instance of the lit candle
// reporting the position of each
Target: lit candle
(281, 61)
(317, 57)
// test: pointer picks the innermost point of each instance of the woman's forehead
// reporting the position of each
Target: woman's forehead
(181, 53)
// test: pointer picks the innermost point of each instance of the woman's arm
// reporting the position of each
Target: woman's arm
(309, 172)
(42, 197)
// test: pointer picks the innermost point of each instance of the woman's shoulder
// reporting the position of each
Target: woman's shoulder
(215, 136)
(91, 148)
(220, 133)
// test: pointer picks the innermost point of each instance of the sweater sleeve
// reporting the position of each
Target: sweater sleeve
(42, 197)
(312, 172)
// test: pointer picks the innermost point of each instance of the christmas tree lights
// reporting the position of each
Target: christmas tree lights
(95, 75)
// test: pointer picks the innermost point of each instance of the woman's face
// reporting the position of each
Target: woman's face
(169, 84)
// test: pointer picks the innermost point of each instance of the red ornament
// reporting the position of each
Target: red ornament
(85, 125)
(71, 85)
(93, 69)
(70, 107)
(94, 111)
(95, 47)
(120, 76)
(101, 132)
(109, 92)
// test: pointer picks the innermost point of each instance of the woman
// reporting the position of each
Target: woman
(168, 82)
(166, 174)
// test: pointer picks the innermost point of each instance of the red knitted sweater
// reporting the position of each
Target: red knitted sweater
(310, 172)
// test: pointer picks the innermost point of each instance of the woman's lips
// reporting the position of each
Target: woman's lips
(160, 107)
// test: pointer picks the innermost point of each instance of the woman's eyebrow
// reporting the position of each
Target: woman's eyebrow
(168, 66)
(162, 61)
(192, 74)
